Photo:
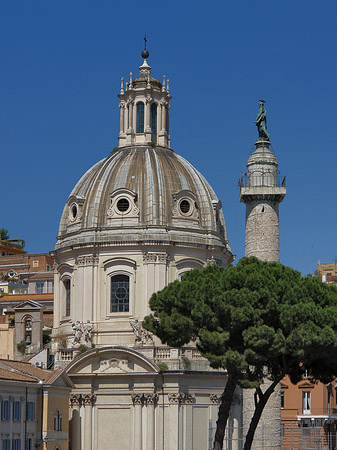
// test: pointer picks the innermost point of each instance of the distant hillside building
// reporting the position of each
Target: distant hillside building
(327, 272)
(12, 247)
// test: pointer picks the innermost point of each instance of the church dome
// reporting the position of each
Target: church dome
(142, 193)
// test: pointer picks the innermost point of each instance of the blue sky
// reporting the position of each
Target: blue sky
(61, 64)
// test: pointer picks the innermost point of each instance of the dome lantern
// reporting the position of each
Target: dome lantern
(144, 109)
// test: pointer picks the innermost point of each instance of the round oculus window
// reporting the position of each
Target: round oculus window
(185, 206)
(123, 205)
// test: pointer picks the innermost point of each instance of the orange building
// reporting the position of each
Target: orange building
(308, 415)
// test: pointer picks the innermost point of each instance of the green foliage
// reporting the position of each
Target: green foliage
(82, 349)
(253, 320)
(21, 346)
(186, 362)
(247, 318)
(162, 366)
(4, 236)
(152, 144)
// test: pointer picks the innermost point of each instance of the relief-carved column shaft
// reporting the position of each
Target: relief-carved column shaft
(137, 401)
(150, 400)
(88, 401)
(75, 401)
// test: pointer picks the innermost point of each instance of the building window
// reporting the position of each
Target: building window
(6, 444)
(67, 295)
(154, 118)
(17, 411)
(17, 444)
(58, 421)
(30, 411)
(306, 402)
(39, 288)
(120, 293)
(5, 409)
(282, 399)
(35, 264)
(140, 118)
(48, 268)
(29, 445)
(28, 330)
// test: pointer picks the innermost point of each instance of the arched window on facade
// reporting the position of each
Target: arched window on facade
(67, 289)
(58, 421)
(154, 118)
(28, 330)
(120, 293)
(140, 117)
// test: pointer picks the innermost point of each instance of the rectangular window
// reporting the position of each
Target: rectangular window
(6, 444)
(68, 296)
(30, 411)
(5, 410)
(140, 117)
(29, 444)
(17, 444)
(40, 288)
(35, 263)
(16, 411)
(48, 267)
(120, 293)
(282, 399)
(306, 402)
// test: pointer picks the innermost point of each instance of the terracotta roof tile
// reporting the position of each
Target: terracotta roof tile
(29, 370)
(15, 376)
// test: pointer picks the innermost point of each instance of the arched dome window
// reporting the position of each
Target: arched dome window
(140, 117)
(154, 118)
(67, 289)
(120, 293)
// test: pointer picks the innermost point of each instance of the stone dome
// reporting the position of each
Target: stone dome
(143, 194)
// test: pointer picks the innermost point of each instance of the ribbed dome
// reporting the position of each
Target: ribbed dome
(159, 189)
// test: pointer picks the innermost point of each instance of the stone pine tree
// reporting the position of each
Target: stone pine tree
(4, 234)
(255, 320)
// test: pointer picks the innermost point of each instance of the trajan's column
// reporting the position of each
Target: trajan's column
(262, 190)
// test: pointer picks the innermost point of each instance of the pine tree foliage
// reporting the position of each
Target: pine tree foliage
(256, 319)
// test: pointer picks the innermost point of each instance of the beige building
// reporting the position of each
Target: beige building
(34, 407)
(136, 221)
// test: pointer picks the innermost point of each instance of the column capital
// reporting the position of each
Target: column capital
(137, 399)
(89, 399)
(181, 397)
(215, 398)
(75, 399)
(151, 399)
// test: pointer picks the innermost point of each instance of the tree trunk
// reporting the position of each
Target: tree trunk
(259, 406)
(226, 402)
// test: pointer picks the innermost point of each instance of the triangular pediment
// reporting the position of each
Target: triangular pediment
(28, 305)
(112, 361)
(306, 385)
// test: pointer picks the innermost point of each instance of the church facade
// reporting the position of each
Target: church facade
(136, 221)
